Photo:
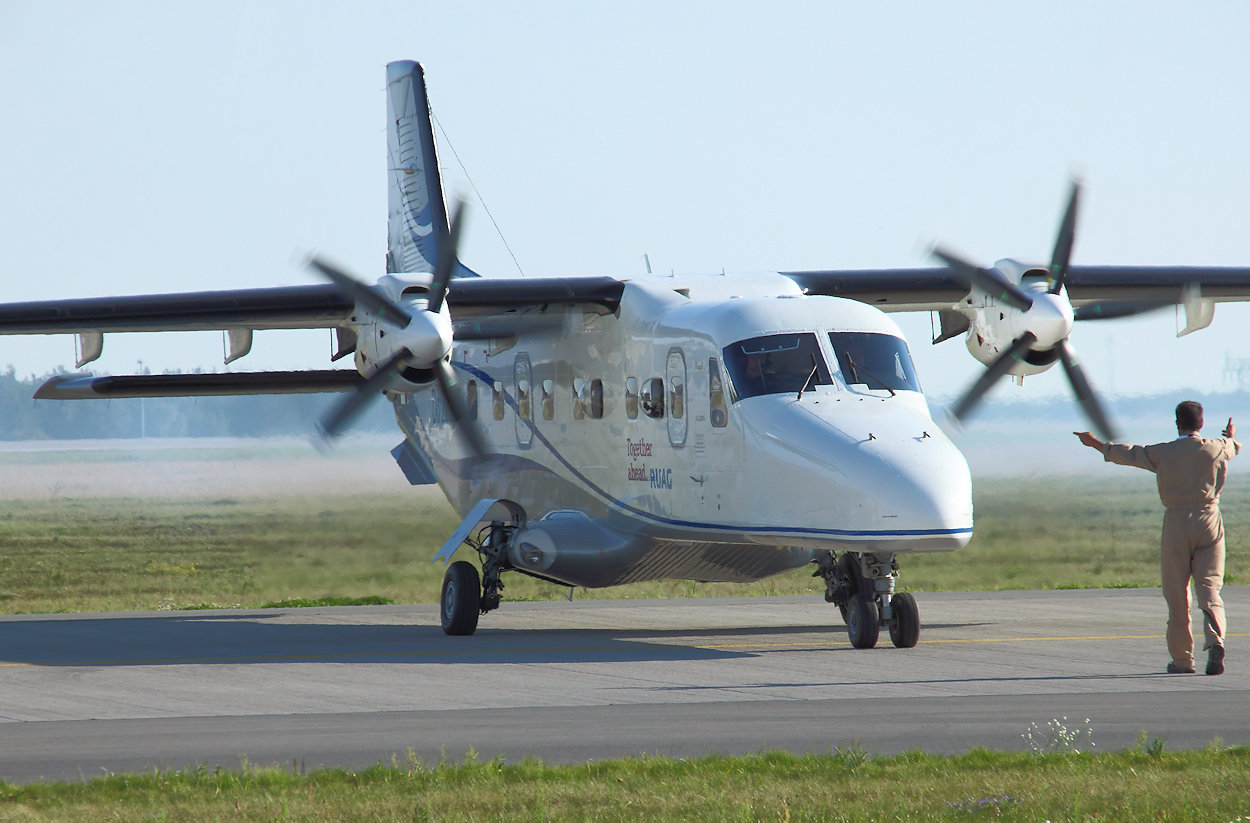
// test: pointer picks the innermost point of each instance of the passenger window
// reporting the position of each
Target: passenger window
(631, 398)
(596, 399)
(523, 400)
(549, 400)
(470, 400)
(579, 410)
(652, 398)
(719, 414)
(497, 400)
(523, 374)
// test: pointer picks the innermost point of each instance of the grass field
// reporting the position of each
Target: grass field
(1146, 783)
(108, 554)
(103, 553)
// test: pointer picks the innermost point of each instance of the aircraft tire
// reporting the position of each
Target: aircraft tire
(462, 598)
(905, 627)
(862, 624)
(850, 566)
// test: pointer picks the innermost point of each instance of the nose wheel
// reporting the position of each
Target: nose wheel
(862, 587)
(905, 627)
(863, 622)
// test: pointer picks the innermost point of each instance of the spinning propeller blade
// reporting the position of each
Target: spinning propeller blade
(446, 376)
(336, 421)
(365, 295)
(1111, 309)
(992, 373)
(1062, 255)
(1084, 392)
(987, 280)
(446, 262)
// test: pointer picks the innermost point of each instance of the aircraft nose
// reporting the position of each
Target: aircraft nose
(889, 480)
(925, 491)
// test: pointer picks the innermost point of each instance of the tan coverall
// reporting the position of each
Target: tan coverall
(1190, 473)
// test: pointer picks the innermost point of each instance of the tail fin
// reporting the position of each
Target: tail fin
(417, 228)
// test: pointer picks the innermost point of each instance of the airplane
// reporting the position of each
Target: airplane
(593, 431)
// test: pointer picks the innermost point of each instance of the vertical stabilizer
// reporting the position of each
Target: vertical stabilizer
(417, 220)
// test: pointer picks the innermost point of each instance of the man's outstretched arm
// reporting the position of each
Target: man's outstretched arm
(1122, 454)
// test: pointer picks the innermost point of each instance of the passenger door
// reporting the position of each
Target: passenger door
(676, 397)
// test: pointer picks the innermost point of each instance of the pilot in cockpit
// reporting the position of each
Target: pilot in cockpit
(758, 368)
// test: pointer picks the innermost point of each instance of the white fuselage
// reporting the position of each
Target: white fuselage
(717, 485)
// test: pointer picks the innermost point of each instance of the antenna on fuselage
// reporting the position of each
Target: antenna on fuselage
(647, 259)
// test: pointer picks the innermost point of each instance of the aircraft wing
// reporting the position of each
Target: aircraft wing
(283, 307)
(938, 288)
(242, 311)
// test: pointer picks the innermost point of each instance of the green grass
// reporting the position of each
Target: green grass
(125, 554)
(120, 554)
(1210, 785)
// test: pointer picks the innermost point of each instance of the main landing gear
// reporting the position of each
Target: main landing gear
(862, 587)
(466, 596)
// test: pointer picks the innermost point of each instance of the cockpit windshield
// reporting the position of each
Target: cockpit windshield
(878, 361)
(775, 364)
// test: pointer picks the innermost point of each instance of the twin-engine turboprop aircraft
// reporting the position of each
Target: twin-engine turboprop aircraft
(593, 431)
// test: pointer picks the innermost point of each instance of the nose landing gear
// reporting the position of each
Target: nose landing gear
(862, 587)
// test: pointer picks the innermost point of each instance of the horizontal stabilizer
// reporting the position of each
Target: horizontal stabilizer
(88, 387)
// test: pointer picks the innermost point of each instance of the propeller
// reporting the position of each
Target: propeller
(1062, 255)
(991, 375)
(1111, 309)
(1085, 392)
(424, 339)
(987, 280)
(1044, 318)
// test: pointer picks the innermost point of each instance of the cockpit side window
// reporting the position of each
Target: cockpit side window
(775, 364)
(878, 361)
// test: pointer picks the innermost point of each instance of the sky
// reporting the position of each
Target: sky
(164, 147)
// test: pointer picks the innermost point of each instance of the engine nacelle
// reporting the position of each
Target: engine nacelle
(996, 325)
(427, 336)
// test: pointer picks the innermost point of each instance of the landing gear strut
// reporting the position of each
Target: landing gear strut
(465, 595)
(862, 587)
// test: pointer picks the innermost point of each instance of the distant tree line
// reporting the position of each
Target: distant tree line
(24, 418)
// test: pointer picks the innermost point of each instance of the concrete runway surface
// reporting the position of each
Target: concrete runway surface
(84, 695)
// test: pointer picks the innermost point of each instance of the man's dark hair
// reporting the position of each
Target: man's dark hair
(1189, 416)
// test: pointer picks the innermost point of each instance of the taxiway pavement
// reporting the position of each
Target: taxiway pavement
(82, 695)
